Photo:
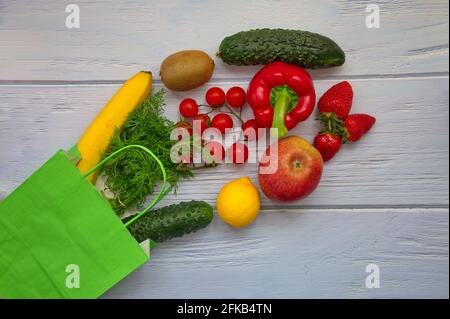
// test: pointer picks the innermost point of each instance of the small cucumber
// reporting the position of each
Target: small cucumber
(264, 46)
(171, 221)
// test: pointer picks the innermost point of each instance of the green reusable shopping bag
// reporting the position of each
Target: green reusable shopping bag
(59, 238)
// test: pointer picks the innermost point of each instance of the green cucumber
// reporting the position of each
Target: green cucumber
(264, 46)
(171, 221)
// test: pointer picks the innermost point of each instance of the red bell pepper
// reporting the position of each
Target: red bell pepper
(281, 95)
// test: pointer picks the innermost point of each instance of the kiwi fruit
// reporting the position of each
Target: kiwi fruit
(186, 70)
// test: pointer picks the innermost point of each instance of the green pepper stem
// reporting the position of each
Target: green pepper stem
(279, 113)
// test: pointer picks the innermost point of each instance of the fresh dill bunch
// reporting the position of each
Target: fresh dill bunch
(133, 174)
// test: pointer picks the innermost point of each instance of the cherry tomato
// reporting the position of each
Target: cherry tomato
(204, 122)
(221, 122)
(238, 153)
(236, 97)
(185, 125)
(204, 118)
(215, 97)
(250, 129)
(188, 108)
(216, 151)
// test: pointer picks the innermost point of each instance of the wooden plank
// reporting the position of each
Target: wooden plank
(118, 38)
(402, 162)
(383, 200)
(302, 254)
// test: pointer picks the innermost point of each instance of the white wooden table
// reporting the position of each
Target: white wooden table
(384, 200)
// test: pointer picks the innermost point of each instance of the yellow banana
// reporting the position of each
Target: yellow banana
(96, 138)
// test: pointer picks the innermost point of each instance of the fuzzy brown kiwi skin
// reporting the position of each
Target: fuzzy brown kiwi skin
(186, 70)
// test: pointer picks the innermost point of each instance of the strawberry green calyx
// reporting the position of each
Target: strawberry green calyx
(333, 125)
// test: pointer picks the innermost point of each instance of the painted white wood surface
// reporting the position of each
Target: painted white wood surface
(116, 38)
(302, 254)
(383, 200)
(402, 162)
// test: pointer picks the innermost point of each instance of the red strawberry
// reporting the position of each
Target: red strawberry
(327, 144)
(337, 99)
(357, 125)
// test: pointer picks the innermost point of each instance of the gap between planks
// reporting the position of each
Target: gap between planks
(361, 208)
(403, 76)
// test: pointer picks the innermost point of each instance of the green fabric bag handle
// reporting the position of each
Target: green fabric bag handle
(163, 190)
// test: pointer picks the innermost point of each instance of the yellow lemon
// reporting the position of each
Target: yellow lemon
(238, 202)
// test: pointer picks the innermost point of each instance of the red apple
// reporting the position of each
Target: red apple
(292, 172)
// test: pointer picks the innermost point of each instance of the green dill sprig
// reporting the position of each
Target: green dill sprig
(133, 174)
